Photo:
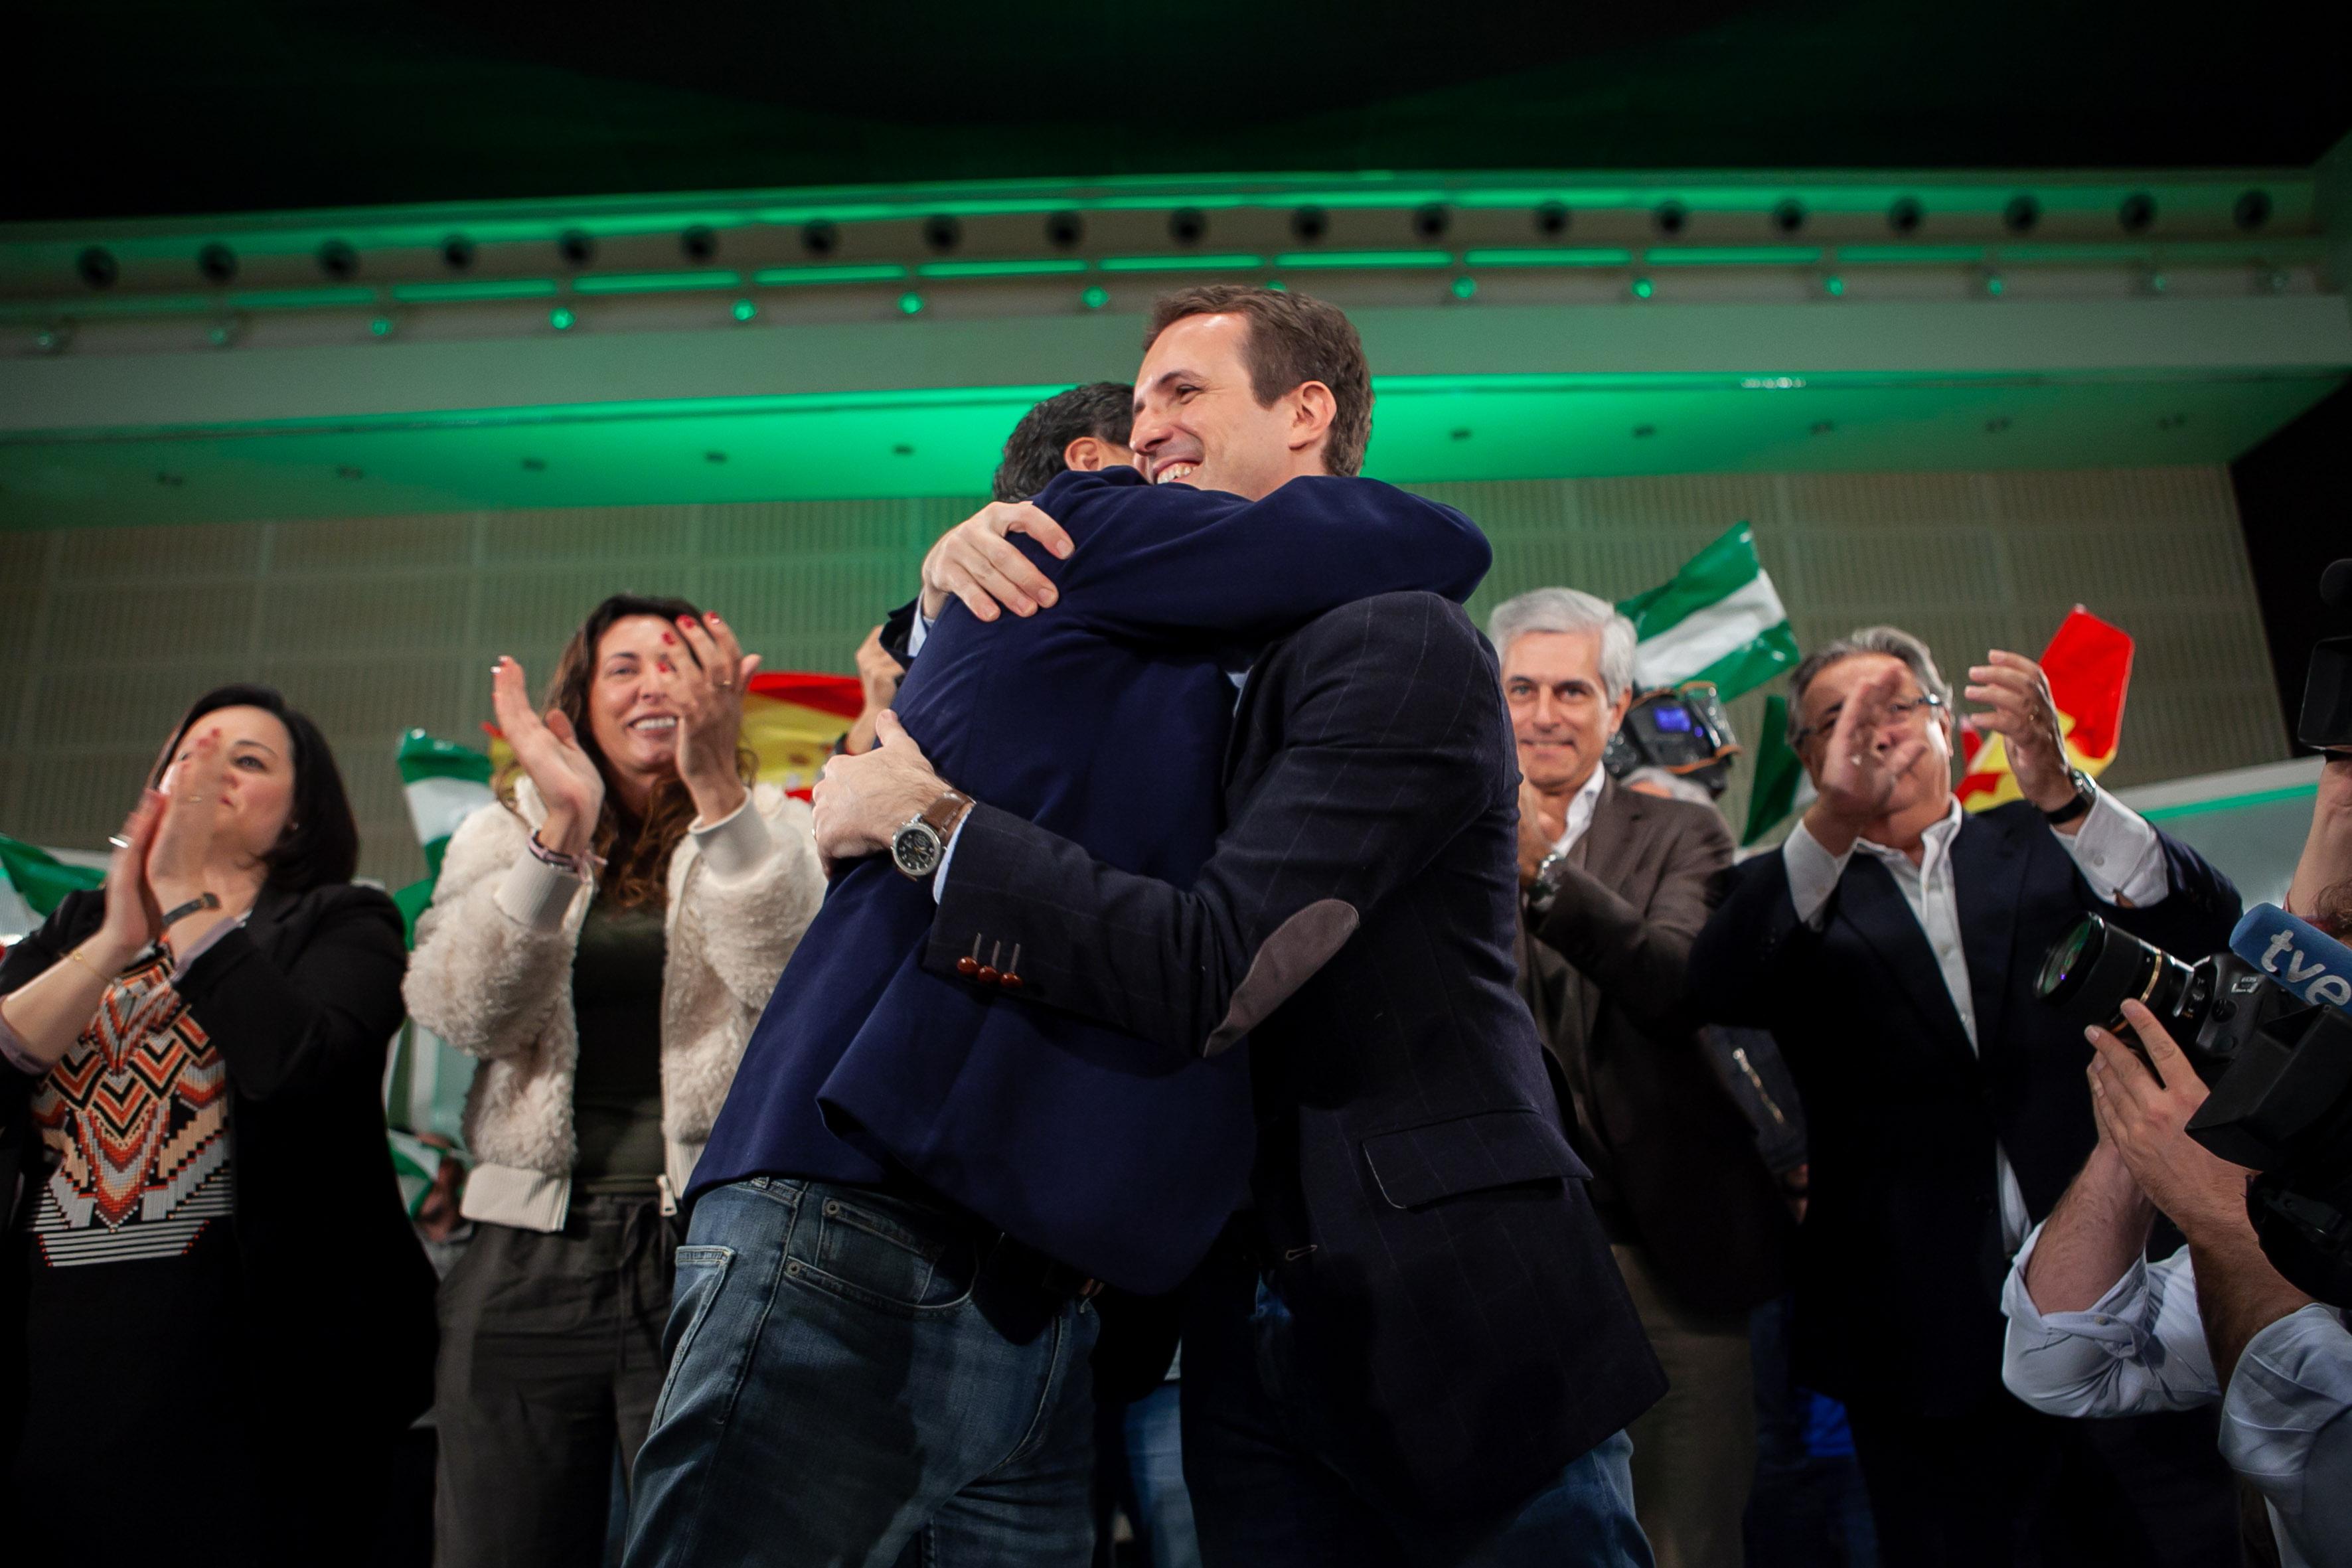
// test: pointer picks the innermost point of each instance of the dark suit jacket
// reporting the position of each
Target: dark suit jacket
(1603, 973)
(1106, 720)
(302, 1004)
(1900, 1259)
(1460, 1319)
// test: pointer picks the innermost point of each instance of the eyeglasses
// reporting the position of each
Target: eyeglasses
(1900, 710)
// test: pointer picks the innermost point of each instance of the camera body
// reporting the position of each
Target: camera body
(1682, 729)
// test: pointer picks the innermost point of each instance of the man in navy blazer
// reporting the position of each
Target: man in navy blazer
(1892, 946)
(883, 1308)
(1411, 1345)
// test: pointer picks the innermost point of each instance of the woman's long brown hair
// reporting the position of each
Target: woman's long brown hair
(635, 852)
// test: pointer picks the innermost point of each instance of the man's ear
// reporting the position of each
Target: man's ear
(1092, 454)
(1312, 409)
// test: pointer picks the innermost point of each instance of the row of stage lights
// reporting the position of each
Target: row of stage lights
(1186, 227)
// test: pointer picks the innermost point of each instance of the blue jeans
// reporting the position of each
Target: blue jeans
(1267, 1493)
(855, 1376)
(1155, 1469)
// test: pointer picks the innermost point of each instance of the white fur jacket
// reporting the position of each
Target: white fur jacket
(492, 975)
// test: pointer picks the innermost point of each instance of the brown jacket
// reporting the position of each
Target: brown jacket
(1604, 974)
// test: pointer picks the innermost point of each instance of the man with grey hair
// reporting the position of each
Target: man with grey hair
(1892, 945)
(1615, 884)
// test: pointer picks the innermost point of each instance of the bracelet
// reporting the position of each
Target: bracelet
(584, 866)
(75, 954)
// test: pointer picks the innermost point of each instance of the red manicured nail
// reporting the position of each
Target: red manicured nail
(667, 638)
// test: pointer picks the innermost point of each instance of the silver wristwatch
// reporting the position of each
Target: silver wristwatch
(1546, 890)
(917, 847)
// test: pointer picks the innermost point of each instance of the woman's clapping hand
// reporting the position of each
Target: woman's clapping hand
(549, 749)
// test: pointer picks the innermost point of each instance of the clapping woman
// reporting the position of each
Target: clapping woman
(220, 1319)
(604, 941)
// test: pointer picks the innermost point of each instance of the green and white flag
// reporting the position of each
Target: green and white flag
(1781, 788)
(33, 881)
(446, 784)
(425, 1083)
(1718, 619)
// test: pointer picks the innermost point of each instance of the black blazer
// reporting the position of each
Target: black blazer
(303, 1004)
(1900, 1258)
(1462, 1323)
(1604, 974)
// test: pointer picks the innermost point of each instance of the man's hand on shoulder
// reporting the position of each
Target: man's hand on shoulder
(861, 802)
(975, 562)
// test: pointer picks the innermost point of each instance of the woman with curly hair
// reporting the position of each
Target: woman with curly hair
(603, 940)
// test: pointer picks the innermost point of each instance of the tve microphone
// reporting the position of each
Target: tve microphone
(2298, 955)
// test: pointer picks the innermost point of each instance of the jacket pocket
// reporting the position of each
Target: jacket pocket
(1417, 1165)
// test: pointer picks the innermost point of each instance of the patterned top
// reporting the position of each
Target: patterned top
(137, 1116)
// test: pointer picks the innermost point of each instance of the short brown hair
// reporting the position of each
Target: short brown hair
(1293, 339)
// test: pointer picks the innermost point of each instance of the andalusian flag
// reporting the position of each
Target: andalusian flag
(33, 881)
(2089, 666)
(1780, 787)
(1718, 620)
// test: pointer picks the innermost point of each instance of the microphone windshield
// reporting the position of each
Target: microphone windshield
(2298, 955)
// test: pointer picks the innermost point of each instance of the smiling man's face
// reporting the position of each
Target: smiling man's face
(1198, 420)
(1561, 714)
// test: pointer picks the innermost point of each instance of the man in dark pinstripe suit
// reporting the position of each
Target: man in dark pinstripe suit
(1413, 1345)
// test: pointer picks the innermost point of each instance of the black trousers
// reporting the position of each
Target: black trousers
(551, 1358)
(2008, 1487)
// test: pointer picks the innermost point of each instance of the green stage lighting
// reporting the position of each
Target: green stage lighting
(1095, 298)
(911, 303)
(745, 309)
(1642, 288)
(561, 319)
(1465, 287)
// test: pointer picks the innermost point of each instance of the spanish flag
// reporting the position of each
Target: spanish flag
(2088, 662)
(791, 720)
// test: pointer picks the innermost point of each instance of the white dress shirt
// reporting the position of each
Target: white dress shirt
(1581, 807)
(2115, 849)
(2286, 1423)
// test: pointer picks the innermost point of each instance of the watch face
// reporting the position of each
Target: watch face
(914, 850)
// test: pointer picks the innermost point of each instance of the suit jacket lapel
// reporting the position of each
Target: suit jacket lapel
(1988, 867)
(1868, 900)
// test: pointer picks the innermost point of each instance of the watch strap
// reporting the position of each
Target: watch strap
(943, 813)
(206, 901)
(2084, 793)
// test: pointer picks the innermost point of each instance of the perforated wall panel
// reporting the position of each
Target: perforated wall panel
(377, 624)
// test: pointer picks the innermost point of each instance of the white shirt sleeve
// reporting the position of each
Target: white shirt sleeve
(916, 633)
(2140, 1348)
(939, 876)
(2286, 1427)
(2117, 853)
(1813, 873)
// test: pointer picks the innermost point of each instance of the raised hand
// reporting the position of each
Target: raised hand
(2025, 716)
(709, 696)
(186, 816)
(974, 562)
(1539, 828)
(548, 750)
(133, 917)
(1860, 765)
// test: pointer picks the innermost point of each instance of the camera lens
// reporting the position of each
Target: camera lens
(2092, 970)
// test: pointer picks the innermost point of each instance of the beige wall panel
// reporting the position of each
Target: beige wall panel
(162, 554)
(400, 544)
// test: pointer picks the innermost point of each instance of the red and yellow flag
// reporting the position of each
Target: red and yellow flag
(2089, 666)
(791, 720)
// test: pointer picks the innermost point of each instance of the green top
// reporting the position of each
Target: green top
(617, 995)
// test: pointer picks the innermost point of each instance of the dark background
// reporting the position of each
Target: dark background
(152, 106)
